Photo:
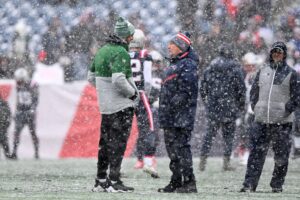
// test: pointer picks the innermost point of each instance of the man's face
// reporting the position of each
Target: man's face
(173, 50)
(277, 55)
(129, 39)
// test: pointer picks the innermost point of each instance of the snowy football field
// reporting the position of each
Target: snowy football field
(74, 178)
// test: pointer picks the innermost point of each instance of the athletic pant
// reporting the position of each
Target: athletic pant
(146, 143)
(22, 119)
(179, 151)
(279, 136)
(3, 138)
(115, 131)
(228, 129)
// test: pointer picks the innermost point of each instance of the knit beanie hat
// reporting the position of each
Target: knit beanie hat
(181, 41)
(123, 28)
(278, 46)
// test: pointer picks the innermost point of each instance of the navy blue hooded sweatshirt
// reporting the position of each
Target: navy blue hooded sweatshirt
(179, 91)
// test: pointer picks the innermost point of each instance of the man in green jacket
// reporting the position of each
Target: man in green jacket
(111, 73)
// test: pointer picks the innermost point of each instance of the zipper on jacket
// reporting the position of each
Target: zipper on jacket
(269, 99)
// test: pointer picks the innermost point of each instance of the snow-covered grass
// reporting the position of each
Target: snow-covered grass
(74, 178)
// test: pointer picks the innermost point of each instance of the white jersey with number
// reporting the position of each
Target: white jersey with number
(141, 64)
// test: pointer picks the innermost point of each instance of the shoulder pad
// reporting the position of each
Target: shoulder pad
(143, 53)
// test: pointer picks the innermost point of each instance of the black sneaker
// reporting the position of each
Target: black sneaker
(247, 189)
(118, 186)
(101, 186)
(277, 190)
(189, 187)
(171, 187)
(13, 156)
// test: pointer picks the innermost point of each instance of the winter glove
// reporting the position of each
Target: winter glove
(155, 104)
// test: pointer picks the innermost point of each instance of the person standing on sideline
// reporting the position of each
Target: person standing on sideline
(177, 108)
(223, 93)
(5, 117)
(117, 93)
(249, 65)
(275, 95)
(27, 101)
(141, 64)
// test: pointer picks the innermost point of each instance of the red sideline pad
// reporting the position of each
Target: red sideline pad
(83, 135)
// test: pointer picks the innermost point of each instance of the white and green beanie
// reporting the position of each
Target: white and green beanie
(123, 28)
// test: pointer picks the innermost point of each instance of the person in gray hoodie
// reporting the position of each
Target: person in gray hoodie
(274, 96)
(117, 93)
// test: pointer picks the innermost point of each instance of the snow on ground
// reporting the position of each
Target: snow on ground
(74, 178)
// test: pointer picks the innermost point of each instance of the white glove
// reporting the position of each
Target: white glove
(155, 104)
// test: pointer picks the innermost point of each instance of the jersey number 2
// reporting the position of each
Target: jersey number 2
(136, 67)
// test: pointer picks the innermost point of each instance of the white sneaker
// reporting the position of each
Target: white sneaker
(151, 170)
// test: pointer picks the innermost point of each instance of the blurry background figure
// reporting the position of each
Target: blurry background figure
(47, 72)
(256, 37)
(223, 93)
(79, 45)
(294, 49)
(212, 42)
(21, 40)
(27, 101)
(141, 64)
(53, 41)
(244, 124)
(6, 69)
(295, 151)
(5, 116)
(20, 51)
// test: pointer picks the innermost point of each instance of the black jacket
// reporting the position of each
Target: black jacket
(179, 91)
(223, 89)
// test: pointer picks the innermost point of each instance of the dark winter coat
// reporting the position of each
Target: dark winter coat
(223, 89)
(179, 91)
(27, 98)
(283, 70)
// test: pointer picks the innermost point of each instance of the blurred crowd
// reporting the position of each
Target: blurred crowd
(248, 25)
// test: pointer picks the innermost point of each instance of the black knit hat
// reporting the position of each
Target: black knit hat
(278, 46)
(181, 41)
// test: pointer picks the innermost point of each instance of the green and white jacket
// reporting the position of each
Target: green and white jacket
(111, 73)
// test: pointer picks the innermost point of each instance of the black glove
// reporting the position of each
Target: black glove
(134, 96)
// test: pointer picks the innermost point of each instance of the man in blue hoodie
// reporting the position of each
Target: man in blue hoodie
(274, 96)
(177, 108)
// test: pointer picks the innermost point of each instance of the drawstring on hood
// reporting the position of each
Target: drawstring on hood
(270, 93)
